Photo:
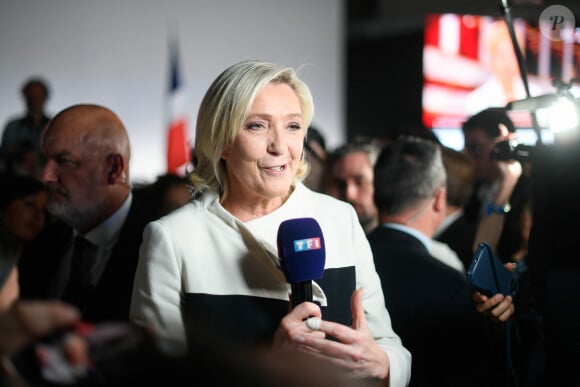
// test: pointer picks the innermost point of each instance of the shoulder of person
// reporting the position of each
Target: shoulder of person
(13, 123)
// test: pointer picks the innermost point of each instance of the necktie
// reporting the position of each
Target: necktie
(78, 287)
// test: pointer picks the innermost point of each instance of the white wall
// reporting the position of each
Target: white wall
(114, 53)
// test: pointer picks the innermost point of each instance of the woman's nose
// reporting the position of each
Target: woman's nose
(275, 140)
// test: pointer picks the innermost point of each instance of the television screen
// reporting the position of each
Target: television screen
(469, 64)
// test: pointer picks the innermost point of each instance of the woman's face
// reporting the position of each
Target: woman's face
(24, 217)
(264, 157)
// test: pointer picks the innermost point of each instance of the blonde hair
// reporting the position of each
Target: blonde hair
(223, 111)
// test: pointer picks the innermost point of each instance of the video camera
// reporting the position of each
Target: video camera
(562, 113)
(512, 150)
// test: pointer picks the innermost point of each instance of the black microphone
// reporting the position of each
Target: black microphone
(302, 252)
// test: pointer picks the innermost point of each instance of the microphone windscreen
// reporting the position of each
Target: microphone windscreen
(301, 249)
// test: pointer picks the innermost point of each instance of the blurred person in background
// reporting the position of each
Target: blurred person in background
(22, 218)
(316, 154)
(167, 193)
(456, 230)
(553, 260)
(24, 133)
(351, 178)
(481, 132)
(430, 303)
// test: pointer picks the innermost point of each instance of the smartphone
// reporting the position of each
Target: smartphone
(487, 274)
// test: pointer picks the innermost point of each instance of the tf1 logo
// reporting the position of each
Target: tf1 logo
(307, 244)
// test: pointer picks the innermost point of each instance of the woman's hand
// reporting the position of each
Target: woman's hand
(294, 325)
(354, 348)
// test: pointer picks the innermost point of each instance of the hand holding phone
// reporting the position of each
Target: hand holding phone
(487, 274)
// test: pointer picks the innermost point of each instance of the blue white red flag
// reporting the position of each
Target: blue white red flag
(178, 143)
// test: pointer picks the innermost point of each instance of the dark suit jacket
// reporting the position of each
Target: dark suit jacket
(459, 236)
(432, 311)
(42, 260)
(554, 258)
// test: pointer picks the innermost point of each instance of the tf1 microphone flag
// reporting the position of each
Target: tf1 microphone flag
(302, 253)
(178, 148)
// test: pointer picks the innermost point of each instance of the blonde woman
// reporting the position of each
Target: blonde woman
(213, 265)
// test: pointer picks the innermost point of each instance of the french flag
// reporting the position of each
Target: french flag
(178, 144)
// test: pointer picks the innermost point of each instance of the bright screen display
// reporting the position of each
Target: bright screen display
(469, 64)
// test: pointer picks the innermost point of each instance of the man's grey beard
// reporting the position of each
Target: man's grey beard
(74, 217)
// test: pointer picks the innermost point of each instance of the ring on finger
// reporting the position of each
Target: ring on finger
(313, 323)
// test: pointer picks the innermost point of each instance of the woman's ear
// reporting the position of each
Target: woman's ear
(226, 152)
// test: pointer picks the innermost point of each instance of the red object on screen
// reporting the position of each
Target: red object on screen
(469, 64)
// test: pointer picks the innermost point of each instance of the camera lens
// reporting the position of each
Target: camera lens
(511, 150)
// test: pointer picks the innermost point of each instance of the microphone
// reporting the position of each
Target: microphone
(302, 252)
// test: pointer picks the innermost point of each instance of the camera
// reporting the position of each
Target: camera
(511, 150)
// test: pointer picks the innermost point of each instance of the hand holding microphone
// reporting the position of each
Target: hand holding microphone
(302, 252)
(302, 255)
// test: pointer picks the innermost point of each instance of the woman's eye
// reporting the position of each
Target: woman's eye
(255, 125)
(295, 126)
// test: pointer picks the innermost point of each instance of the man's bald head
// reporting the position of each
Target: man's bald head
(87, 164)
(96, 127)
